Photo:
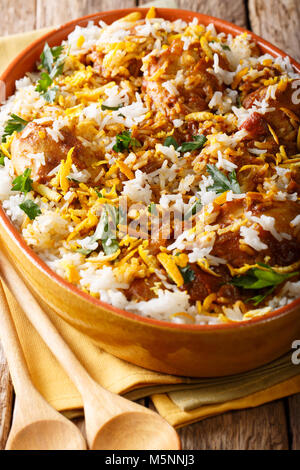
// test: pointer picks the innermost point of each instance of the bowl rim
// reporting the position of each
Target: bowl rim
(16, 236)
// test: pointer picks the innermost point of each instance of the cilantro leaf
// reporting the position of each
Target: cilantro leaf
(221, 182)
(105, 231)
(51, 94)
(49, 56)
(15, 123)
(31, 209)
(171, 141)
(23, 183)
(260, 278)
(53, 62)
(196, 207)
(58, 68)
(225, 47)
(197, 144)
(83, 251)
(124, 141)
(111, 108)
(44, 82)
(110, 246)
(109, 243)
(187, 273)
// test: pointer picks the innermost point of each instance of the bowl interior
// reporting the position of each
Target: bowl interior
(26, 61)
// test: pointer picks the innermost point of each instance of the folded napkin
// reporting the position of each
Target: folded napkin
(179, 400)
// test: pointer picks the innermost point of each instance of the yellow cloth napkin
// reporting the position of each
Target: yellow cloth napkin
(133, 381)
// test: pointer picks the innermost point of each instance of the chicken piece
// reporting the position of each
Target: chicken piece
(285, 98)
(281, 252)
(286, 101)
(34, 140)
(185, 86)
(142, 289)
(202, 285)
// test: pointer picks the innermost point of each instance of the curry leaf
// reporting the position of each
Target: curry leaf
(260, 278)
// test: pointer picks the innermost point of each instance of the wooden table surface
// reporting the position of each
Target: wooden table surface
(272, 426)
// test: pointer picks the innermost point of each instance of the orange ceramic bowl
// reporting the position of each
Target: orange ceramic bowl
(188, 350)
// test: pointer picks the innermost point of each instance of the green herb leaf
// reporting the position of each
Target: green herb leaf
(109, 243)
(221, 182)
(152, 209)
(125, 142)
(58, 68)
(196, 207)
(15, 123)
(111, 108)
(31, 209)
(187, 273)
(225, 47)
(44, 82)
(50, 56)
(257, 299)
(110, 246)
(238, 101)
(2, 157)
(197, 144)
(260, 278)
(51, 94)
(171, 141)
(53, 62)
(23, 183)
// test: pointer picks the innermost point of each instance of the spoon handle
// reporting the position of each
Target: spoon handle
(45, 328)
(11, 344)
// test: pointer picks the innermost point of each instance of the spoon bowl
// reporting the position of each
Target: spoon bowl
(147, 432)
(59, 436)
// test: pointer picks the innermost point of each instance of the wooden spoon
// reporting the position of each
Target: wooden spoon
(36, 425)
(112, 422)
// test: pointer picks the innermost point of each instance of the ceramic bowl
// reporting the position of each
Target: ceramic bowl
(188, 350)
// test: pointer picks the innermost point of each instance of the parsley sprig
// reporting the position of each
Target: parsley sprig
(260, 278)
(222, 183)
(14, 124)
(124, 141)
(23, 183)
